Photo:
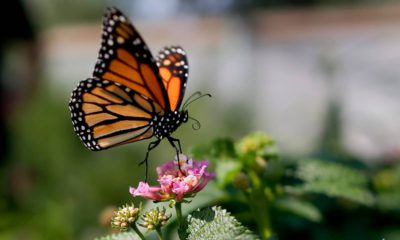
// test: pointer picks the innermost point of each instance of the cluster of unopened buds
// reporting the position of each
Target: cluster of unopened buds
(126, 216)
(155, 218)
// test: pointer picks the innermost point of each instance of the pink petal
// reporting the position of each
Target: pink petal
(201, 184)
(185, 162)
(180, 188)
(168, 166)
(144, 190)
(191, 180)
(166, 182)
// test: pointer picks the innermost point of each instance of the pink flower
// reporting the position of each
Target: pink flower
(174, 183)
(144, 190)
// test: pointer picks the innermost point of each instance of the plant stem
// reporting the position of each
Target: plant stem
(136, 229)
(178, 209)
(159, 233)
(259, 206)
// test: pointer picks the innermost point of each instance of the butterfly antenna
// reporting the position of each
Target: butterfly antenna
(198, 93)
(194, 97)
(196, 125)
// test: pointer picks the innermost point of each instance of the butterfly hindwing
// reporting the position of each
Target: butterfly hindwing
(125, 58)
(105, 114)
(174, 69)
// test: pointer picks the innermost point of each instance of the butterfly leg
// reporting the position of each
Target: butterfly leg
(151, 146)
(178, 149)
(171, 140)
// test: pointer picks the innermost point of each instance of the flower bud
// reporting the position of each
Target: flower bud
(260, 164)
(254, 143)
(125, 216)
(155, 218)
(241, 181)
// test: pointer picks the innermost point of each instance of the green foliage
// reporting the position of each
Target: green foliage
(226, 172)
(213, 223)
(386, 183)
(222, 149)
(269, 190)
(300, 208)
(241, 169)
(217, 148)
(332, 179)
(263, 191)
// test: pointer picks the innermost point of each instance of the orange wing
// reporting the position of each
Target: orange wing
(174, 69)
(124, 58)
(106, 114)
(128, 91)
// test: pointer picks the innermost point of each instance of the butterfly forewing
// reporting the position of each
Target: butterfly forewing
(125, 58)
(106, 114)
(174, 69)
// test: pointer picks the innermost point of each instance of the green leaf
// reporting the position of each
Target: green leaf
(226, 171)
(213, 223)
(121, 236)
(332, 179)
(316, 170)
(217, 148)
(300, 208)
(387, 187)
(389, 201)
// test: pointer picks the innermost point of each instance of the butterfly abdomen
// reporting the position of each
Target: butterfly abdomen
(164, 126)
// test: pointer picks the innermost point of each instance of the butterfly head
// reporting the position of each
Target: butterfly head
(184, 116)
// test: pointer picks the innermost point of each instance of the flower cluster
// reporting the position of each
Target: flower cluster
(178, 180)
(125, 217)
(155, 218)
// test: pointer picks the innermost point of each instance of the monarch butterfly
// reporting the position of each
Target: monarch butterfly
(131, 96)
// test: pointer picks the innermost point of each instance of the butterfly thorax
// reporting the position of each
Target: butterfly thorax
(168, 123)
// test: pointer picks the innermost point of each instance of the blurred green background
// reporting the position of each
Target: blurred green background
(321, 77)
